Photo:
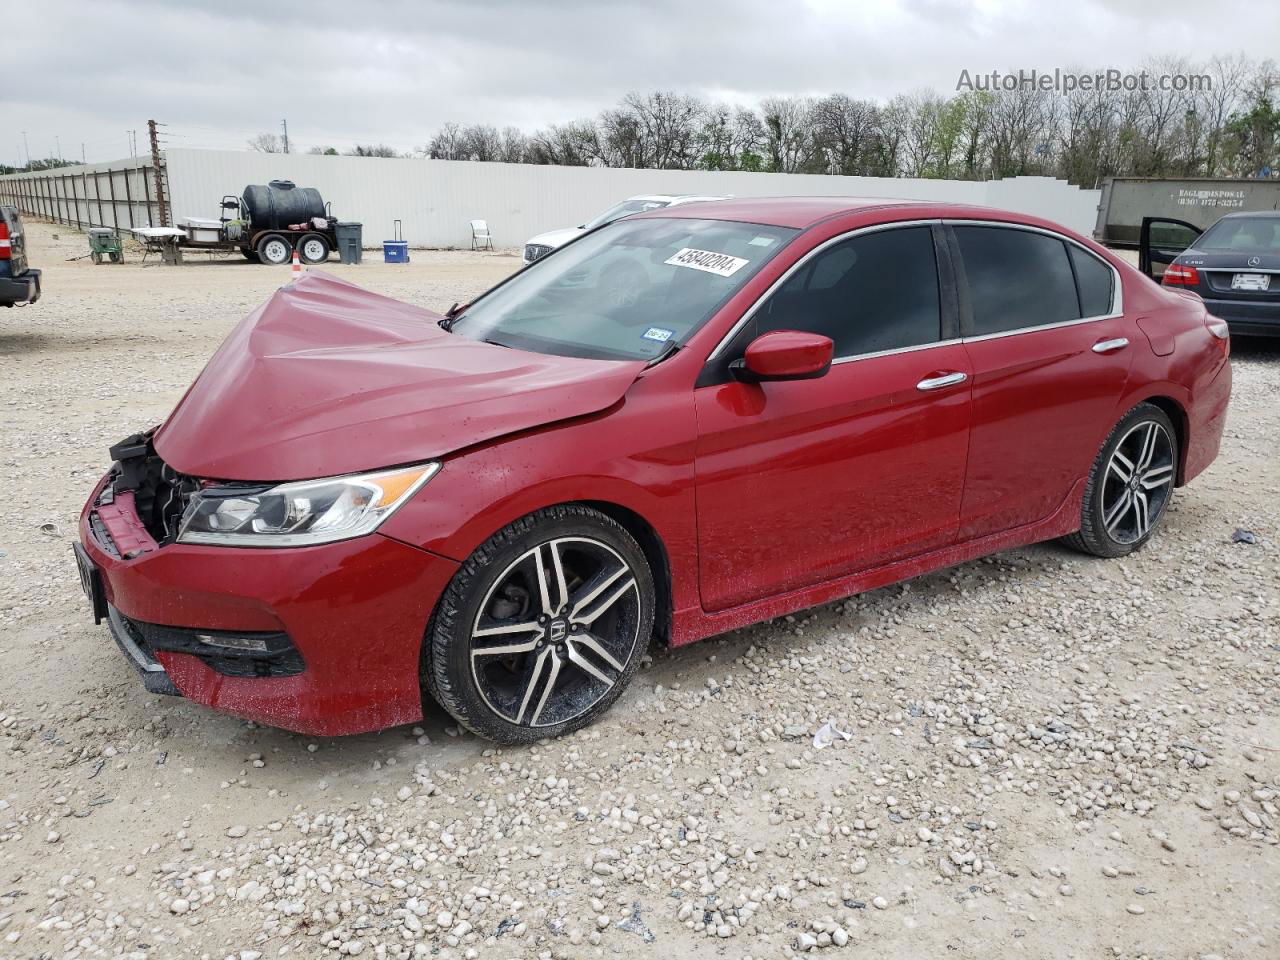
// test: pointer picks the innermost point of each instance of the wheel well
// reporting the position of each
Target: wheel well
(655, 551)
(1178, 416)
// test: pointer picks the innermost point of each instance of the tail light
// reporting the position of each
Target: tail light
(1176, 275)
(1221, 332)
(6, 245)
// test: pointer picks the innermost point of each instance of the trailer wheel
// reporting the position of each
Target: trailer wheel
(250, 255)
(275, 249)
(313, 248)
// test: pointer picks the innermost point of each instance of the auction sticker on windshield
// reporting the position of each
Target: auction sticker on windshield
(721, 264)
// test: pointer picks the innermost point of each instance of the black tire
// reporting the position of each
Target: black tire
(313, 248)
(275, 249)
(97, 257)
(250, 255)
(482, 692)
(1104, 492)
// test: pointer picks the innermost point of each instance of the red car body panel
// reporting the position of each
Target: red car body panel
(863, 434)
(761, 499)
(327, 378)
(1031, 434)
(356, 611)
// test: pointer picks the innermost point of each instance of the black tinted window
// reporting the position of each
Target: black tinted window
(1016, 279)
(878, 291)
(1093, 280)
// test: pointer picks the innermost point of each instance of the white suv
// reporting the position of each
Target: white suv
(544, 243)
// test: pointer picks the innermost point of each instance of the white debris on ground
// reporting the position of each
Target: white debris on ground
(1049, 755)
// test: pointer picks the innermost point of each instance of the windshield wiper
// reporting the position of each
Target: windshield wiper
(450, 317)
(667, 353)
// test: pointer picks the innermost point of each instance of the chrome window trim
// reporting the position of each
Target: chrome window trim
(872, 228)
(853, 357)
(1117, 288)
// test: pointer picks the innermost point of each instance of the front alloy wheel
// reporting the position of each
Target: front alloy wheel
(543, 627)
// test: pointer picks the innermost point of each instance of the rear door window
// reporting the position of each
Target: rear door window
(1017, 279)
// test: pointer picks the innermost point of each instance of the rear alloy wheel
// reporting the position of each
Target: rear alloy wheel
(275, 250)
(1130, 485)
(543, 627)
(313, 248)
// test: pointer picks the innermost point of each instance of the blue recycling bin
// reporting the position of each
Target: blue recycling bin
(397, 250)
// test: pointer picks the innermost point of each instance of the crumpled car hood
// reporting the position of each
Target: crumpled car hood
(327, 378)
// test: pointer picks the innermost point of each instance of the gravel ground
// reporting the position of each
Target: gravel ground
(1047, 755)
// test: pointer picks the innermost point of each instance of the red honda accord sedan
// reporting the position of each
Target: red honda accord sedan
(678, 424)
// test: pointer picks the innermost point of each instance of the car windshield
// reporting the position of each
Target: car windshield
(628, 291)
(1253, 234)
(624, 209)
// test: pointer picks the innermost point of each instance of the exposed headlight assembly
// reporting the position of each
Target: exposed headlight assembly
(299, 514)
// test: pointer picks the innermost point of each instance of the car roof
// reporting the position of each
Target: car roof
(672, 197)
(792, 211)
(804, 212)
(1251, 214)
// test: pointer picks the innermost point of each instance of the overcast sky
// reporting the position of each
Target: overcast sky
(341, 71)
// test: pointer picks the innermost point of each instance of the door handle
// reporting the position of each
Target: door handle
(942, 380)
(1111, 346)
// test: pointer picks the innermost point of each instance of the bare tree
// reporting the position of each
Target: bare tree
(1216, 105)
(372, 150)
(1089, 134)
(788, 131)
(266, 143)
(447, 144)
(846, 132)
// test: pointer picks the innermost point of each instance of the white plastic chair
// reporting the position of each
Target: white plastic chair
(481, 239)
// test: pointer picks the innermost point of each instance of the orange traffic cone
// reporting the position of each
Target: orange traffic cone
(297, 265)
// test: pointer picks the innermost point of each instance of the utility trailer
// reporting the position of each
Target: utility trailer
(266, 223)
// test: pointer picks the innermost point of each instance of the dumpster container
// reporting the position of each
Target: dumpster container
(350, 237)
(397, 250)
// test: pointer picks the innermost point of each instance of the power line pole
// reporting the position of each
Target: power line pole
(26, 149)
(82, 159)
(57, 143)
(156, 171)
(284, 125)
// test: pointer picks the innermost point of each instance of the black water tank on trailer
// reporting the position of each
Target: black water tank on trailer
(280, 203)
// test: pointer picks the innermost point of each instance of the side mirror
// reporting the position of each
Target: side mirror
(784, 355)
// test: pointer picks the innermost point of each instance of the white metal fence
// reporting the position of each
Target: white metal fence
(118, 194)
(436, 198)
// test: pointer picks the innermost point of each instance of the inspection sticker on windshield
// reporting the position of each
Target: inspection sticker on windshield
(721, 264)
(658, 333)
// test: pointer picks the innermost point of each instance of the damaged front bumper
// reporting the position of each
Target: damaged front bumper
(322, 640)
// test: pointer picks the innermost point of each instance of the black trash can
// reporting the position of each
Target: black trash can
(350, 237)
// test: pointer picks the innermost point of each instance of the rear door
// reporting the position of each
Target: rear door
(1161, 240)
(1050, 349)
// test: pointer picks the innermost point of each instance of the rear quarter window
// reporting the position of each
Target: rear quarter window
(1095, 281)
(1017, 279)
